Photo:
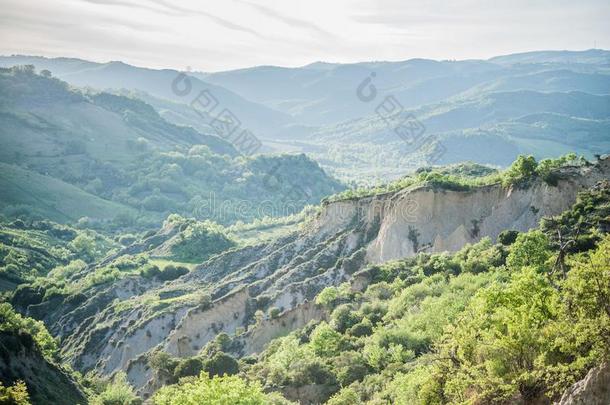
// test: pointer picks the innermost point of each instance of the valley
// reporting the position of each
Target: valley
(443, 238)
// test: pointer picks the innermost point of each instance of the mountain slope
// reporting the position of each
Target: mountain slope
(46, 197)
(118, 75)
(119, 149)
(224, 293)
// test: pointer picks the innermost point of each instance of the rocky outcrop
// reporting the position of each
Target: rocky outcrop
(114, 327)
(594, 389)
(255, 340)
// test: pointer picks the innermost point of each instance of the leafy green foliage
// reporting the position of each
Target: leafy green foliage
(16, 394)
(466, 176)
(213, 391)
(30, 249)
(117, 392)
(525, 168)
(197, 240)
(488, 324)
(171, 272)
(221, 364)
(132, 168)
(11, 321)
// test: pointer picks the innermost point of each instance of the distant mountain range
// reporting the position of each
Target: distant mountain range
(543, 103)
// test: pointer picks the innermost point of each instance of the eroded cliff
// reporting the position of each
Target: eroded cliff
(114, 327)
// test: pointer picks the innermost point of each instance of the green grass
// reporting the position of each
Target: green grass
(52, 198)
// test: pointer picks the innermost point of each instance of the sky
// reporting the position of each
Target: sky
(217, 35)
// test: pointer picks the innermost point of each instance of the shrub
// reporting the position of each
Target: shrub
(171, 272)
(218, 390)
(221, 364)
(163, 363)
(274, 312)
(325, 341)
(529, 249)
(188, 367)
(520, 171)
(150, 271)
(508, 237)
(16, 394)
(347, 396)
(118, 392)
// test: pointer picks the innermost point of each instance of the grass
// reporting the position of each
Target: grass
(52, 198)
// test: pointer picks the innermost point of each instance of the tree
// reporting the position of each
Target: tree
(274, 312)
(522, 169)
(118, 392)
(171, 272)
(508, 237)
(16, 394)
(587, 291)
(346, 396)
(188, 367)
(221, 364)
(325, 341)
(213, 391)
(163, 363)
(12, 321)
(530, 249)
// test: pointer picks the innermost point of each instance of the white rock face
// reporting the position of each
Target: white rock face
(289, 272)
(425, 219)
(594, 389)
(437, 221)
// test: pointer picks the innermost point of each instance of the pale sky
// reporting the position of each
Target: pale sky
(229, 34)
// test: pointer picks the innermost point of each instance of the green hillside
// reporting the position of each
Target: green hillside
(27, 192)
(114, 148)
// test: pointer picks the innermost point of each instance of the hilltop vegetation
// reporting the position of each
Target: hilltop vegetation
(113, 161)
(464, 176)
(405, 336)
(32, 249)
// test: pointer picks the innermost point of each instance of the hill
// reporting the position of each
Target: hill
(159, 83)
(119, 159)
(470, 106)
(236, 288)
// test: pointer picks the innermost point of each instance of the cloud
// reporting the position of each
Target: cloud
(218, 20)
(291, 21)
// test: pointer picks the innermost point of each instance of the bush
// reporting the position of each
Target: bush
(508, 237)
(188, 367)
(163, 363)
(200, 240)
(118, 392)
(344, 317)
(520, 171)
(11, 321)
(347, 396)
(274, 312)
(150, 271)
(221, 364)
(16, 394)
(530, 249)
(171, 272)
(218, 390)
(325, 341)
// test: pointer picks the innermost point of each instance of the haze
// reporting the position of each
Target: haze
(222, 35)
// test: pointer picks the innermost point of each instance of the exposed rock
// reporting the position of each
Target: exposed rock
(106, 334)
(594, 389)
